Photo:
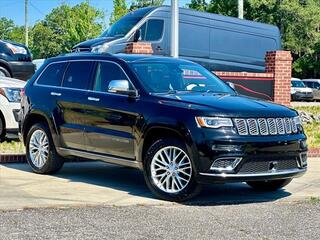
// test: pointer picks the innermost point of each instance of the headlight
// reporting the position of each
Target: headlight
(100, 48)
(17, 49)
(297, 121)
(214, 122)
(12, 94)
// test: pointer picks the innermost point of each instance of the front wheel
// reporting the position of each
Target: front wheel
(169, 171)
(271, 185)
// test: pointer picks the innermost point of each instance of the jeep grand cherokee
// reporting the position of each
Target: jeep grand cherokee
(176, 121)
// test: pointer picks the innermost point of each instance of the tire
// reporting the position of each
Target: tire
(2, 129)
(177, 190)
(4, 72)
(50, 162)
(268, 186)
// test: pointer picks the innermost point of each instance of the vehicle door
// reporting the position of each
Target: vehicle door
(153, 31)
(111, 116)
(71, 103)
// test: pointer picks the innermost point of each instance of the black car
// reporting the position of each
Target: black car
(15, 60)
(171, 118)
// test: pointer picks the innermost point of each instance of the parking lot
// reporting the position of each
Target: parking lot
(97, 183)
(94, 200)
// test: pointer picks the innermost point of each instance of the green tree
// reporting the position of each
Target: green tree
(298, 21)
(119, 9)
(6, 26)
(64, 27)
(145, 3)
(199, 5)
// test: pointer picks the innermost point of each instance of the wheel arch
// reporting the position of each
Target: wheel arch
(33, 118)
(6, 66)
(157, 132)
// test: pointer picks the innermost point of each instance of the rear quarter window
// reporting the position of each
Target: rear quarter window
(52, 75)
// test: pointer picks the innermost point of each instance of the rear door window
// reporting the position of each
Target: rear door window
(78, 75)
(53, 74)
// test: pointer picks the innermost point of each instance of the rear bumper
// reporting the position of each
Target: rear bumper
(22, 70)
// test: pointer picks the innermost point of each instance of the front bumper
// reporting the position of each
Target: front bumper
(10, 111)
(22, 70)
(261, 158)
(302, 96)
(224, 177)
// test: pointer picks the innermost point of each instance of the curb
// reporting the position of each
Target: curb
(12, 158)
(21, 158)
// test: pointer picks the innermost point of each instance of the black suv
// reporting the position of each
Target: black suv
(15, 60)
(171, 118)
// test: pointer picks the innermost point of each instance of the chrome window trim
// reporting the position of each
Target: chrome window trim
(78, 89)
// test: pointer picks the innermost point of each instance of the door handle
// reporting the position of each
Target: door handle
(159, 48)
(94, 99)
(55, 94)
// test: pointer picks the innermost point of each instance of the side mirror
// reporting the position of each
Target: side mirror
(122, 87)
(137, 35)
(232, 86)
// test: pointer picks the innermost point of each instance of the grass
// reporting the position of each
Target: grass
(314, 200)
(11, 147)
(312, 130)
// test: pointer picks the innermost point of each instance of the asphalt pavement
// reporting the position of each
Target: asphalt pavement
(94, 200)
(273, 220)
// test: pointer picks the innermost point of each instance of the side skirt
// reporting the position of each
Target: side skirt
(100, 157)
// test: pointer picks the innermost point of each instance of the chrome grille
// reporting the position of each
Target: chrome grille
(241, 126)
(265, 126)
(253, 126)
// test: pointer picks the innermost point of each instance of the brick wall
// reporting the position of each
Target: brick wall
(138, 48)
(280, 64)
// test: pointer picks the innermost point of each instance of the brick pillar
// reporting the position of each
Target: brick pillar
(138, 48)
(280, 64)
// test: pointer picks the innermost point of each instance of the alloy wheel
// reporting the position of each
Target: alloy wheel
(171, 169)
(39, 148)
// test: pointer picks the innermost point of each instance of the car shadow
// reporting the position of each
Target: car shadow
(132, 181)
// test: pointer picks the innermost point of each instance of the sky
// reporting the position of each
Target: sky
(14, 9)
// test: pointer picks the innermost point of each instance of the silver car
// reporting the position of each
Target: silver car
(314, 84)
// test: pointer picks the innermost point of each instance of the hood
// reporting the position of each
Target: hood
(94, 42)
(11, 83)
(228, 105)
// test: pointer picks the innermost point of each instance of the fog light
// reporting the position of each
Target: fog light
(303, 160)
(227, 164)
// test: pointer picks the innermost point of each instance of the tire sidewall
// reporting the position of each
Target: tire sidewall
(46, 167)
(186, 193)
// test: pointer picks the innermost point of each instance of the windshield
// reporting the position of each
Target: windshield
(121, 27)
(297, 84)
(164, 77)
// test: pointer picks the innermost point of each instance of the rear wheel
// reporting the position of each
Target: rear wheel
(40, 151)
(169, 171)
(272, 185)
(4, 72)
